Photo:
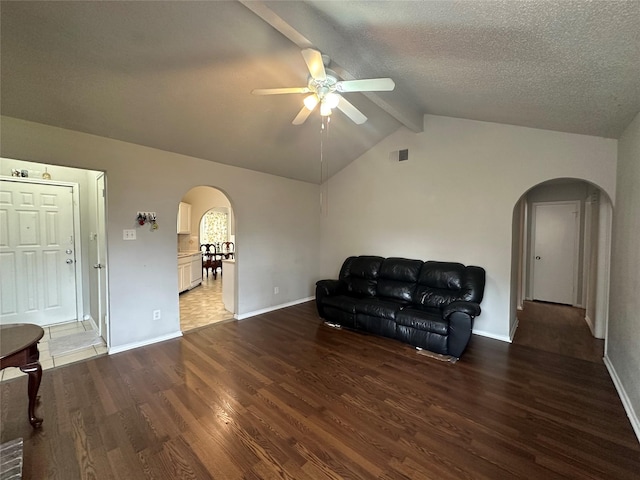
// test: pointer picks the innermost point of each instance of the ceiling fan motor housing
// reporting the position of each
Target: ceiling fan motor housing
(322, 87)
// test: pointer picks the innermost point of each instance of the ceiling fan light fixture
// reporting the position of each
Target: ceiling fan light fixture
(325, 110)
(311, 101)
(332, 99)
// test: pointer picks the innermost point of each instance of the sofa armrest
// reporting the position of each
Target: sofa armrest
(460, 328)
(326, 288)
(470, 308)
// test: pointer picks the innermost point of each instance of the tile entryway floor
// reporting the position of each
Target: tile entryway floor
(47, 361)
(203, 305)
(198, 307)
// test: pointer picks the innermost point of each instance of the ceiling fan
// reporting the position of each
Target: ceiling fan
(325, 89)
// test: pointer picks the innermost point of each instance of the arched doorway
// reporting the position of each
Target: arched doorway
(206, 217)
(592, 209)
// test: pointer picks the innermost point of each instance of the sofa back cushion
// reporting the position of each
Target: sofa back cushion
(440, 283)
(360, 275)
(398, 278)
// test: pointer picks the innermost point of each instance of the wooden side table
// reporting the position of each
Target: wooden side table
(19, 348)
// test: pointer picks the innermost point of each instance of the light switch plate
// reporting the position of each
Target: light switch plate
(128, 234)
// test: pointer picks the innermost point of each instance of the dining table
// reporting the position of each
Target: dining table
(19, 348)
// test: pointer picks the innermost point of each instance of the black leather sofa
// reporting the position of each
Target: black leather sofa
(430, 305)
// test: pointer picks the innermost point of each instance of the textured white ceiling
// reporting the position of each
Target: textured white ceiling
(178, 75)
(572, 66)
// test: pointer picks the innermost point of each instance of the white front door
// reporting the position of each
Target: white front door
(37, 253)
(555, 251)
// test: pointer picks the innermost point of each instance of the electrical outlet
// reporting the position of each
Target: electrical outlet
(128, 234)
(156, 315)
(276, 290)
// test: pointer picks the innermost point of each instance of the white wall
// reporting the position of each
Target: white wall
(623, 338)
(453, 199)
(277, 222)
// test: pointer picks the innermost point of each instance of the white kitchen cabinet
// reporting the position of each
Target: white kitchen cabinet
(184, 273)
(196, 269)
(189, 271)
(184, 218)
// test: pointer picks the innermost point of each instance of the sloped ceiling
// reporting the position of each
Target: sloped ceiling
(178, 75)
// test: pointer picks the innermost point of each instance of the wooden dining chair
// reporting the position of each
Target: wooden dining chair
(228, 249)
(210, 259)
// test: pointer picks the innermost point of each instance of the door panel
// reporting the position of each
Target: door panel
(555, 251)
(9, 304)
(37, 254)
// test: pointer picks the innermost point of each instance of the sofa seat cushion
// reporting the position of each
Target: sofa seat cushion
(423, 318)
(381, 308)
(376, 325)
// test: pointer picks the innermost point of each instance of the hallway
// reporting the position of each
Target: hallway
(559, 329)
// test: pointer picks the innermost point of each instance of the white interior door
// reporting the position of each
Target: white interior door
(37, 253)
(101, 260)
(555, 251)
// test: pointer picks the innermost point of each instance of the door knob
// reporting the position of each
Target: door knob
(69, 260)
(97, 265)
(537, 257)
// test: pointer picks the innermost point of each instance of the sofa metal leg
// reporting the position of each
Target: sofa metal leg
(436, 356)
(333, 325)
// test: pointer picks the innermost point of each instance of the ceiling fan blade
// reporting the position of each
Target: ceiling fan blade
(302, 116)
(352, 112)
(279, 91)
(314, 63)
(366, 85)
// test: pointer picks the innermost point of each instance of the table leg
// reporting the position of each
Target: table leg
(34, 370)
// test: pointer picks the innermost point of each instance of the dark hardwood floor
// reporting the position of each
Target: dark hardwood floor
(558, 329)
(283, 396)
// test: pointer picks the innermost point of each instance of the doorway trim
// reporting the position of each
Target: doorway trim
(101, 252)
(605, 229)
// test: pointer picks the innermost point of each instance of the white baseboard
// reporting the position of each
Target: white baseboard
(514, 327)
(93, 322)
(502, 338)
(592, 327)
(626, 403)
(144, 343)
(242, 316)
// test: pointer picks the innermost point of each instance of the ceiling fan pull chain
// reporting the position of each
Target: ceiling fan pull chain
(324, 132)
